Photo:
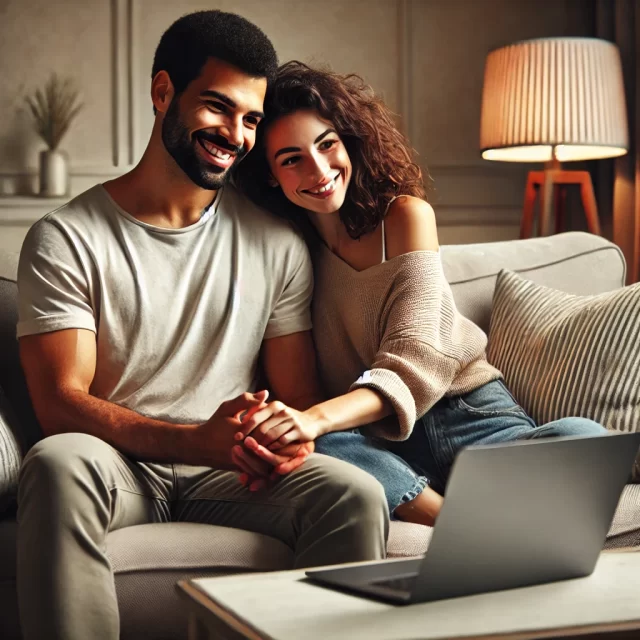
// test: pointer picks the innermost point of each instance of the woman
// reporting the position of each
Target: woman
(393, 351)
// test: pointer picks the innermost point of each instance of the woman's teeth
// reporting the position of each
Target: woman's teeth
(214, 151)
(325, 187)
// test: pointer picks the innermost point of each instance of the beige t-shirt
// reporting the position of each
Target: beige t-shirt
(179, 314)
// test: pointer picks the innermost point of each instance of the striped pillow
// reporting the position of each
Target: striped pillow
(566, 355)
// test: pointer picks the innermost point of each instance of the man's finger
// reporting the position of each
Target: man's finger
(264, 453)
(244, 402)
(240, 463)
(257, 465)
(290, 465)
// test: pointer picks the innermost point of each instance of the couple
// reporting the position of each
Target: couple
(149, 304)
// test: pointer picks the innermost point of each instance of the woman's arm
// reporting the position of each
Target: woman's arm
(410, 226)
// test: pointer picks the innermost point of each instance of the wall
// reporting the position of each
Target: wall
(425, 57)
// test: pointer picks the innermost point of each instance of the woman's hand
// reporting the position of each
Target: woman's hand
(276, 426)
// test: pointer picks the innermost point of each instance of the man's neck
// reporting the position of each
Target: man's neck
(157, 192)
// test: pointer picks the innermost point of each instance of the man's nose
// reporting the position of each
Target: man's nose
(233, 132)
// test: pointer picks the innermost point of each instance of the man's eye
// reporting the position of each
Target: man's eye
(291, 160)
(251, 121)
(217, 107)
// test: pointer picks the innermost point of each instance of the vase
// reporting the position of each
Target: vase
(54, 173)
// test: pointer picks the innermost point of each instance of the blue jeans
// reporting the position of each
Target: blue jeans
(487, 415)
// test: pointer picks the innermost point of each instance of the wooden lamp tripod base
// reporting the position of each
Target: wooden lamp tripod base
(552, 184)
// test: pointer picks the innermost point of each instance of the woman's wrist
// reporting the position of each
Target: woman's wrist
(320, 420)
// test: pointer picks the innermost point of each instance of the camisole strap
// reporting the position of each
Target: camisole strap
(384, 243)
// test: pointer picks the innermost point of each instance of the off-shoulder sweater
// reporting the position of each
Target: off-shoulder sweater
(394, 328)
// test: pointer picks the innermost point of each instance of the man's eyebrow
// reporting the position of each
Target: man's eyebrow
(292, 149)
(211, 93)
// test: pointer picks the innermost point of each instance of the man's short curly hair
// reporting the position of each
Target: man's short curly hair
(191, 40)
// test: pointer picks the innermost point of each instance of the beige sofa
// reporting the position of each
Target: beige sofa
(149, 559)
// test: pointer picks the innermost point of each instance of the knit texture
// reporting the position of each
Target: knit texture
(395, 328)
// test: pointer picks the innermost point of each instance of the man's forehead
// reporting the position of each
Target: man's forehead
(223, 78)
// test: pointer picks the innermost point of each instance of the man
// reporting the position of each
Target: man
(144, 306)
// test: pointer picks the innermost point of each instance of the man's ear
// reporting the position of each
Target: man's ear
(162, 91)
(272, 181)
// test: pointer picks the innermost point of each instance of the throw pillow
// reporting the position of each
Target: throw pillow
(566, 355)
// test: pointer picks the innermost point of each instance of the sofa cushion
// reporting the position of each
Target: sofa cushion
(574, 262)
(11, 377)
(565, 355)
(10, 455)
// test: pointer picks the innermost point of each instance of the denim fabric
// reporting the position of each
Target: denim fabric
(487, 415)
(400, 482)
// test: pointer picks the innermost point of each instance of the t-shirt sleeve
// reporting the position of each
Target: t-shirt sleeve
(292, 311)
(425, 343)
(53, 285)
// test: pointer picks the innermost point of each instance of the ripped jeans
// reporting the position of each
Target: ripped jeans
(487, 415)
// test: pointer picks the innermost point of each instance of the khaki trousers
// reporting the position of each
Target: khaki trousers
(75, 488)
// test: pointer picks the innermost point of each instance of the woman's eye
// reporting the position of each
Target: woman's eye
(327, 144)
(291, 160)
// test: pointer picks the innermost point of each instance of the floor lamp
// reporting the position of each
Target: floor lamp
(554, 100)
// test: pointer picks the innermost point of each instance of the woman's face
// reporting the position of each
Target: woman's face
(308, 161)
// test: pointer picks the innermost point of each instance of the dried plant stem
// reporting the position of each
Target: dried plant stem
(54, 108)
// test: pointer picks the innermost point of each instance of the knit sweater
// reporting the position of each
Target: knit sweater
(395, 328)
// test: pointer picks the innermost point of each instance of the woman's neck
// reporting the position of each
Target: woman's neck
(330, 229)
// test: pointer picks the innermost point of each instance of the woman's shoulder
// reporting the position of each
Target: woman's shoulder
(410, 225)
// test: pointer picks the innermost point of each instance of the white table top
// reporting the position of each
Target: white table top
(285, 606)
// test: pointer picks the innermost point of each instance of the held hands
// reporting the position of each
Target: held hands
(276, 426)
(272, 428)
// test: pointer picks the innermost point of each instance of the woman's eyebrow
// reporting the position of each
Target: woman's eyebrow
(293, 149)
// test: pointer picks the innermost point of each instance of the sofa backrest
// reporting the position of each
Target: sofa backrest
(575, 262)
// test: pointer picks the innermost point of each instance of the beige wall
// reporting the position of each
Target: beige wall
(425, 56)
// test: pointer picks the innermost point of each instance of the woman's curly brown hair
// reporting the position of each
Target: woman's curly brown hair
(380, 155)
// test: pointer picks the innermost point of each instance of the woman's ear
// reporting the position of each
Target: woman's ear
(272, 181)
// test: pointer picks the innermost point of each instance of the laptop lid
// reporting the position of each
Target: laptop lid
(523, 513)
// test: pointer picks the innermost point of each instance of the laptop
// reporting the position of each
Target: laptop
(515, 514)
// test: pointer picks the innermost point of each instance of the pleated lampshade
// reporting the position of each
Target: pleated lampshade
(549, 98)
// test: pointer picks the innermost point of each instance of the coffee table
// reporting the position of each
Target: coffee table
(284, 605)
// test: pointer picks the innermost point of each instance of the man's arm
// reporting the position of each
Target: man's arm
(289, 362)
(60, 366)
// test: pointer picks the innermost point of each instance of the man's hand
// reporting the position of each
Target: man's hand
(297, 453)
(216, 437)
(276, 426)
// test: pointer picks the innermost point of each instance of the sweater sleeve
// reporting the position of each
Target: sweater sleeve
(424, 343)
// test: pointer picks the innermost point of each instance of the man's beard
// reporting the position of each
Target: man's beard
(181, 148)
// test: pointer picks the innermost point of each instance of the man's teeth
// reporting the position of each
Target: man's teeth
(326, 187)
(214, 151)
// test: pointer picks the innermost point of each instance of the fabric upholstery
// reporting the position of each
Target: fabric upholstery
(574, 262)
(148, 563)
(11, 377)
(10, 455)
(565, 355)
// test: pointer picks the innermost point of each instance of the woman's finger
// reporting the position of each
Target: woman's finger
(273, 430)
(251, 421)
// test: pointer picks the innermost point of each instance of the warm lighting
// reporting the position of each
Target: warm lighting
(554, 100)
(562, 93)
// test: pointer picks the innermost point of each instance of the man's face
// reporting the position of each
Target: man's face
(212, 124)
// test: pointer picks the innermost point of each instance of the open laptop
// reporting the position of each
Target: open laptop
(515, 514)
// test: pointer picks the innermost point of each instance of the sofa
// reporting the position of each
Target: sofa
(148, 560)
